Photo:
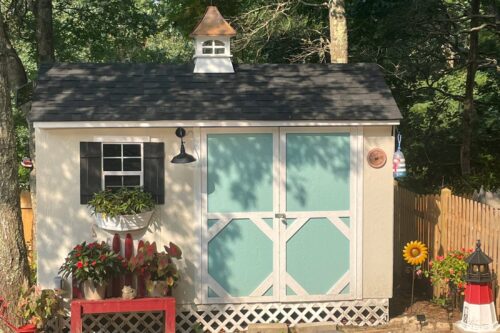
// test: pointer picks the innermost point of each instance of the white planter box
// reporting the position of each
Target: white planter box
(124, 222)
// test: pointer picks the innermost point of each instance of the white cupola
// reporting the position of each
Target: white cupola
(212, 38)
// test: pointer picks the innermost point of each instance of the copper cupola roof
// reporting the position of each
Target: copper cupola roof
(213, 24)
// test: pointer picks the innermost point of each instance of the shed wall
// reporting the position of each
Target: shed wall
(63, 222)
(378, 207)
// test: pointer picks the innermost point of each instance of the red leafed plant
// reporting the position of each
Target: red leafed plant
(156, 266)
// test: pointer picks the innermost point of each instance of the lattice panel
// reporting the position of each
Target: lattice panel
(236, 317)
(134, 322)
(59, 325)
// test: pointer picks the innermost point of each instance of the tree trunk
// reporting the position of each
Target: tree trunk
(13, 255)
(15, 69)
(42, 9)
(44, 32)
(469, 111)
(338, 32)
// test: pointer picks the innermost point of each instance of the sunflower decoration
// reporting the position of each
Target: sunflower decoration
(415, 253)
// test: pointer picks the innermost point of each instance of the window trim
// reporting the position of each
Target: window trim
(212, 47)
(122, 173)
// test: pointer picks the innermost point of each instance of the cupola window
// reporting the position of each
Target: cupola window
(213, 47)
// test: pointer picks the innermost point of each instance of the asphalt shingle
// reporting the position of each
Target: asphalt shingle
(147, 92)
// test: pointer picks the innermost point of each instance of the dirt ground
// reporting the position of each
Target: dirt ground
(399, 306)
(403, 316)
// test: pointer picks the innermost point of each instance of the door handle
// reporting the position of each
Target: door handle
(281, 216)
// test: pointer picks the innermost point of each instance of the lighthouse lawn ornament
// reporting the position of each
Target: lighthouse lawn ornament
(479, 310)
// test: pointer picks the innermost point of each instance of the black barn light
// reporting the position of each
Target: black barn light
(183, 157)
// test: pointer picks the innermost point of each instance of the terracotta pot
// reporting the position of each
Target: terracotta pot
(156, 288)
(93, 291)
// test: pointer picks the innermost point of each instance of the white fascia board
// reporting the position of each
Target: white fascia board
(207, 123)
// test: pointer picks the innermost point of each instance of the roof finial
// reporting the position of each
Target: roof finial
(478, 245)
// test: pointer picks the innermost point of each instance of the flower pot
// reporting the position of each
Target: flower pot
(156, 288)
(94, 291)
(124, 222)
(29, 328)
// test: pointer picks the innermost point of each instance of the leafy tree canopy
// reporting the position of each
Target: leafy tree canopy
(421, 45)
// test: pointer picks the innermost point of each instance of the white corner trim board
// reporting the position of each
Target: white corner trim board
(207, 123)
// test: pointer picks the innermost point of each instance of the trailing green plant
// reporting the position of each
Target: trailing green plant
(124, 201)
(448, 273)
(94, 261)
(36, 305)
(197, 328)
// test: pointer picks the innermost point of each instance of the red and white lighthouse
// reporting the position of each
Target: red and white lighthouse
(479, 313)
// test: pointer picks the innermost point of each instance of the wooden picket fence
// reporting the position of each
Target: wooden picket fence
(27, 217)
(444, 222)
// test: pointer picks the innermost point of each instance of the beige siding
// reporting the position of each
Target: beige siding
(378, 217)
(63, 222)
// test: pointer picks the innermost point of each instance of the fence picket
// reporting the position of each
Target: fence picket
(445, 222)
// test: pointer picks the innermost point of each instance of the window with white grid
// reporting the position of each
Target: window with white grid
(122, 165)
(213, 47)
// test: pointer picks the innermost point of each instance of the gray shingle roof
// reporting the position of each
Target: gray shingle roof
(145, 92)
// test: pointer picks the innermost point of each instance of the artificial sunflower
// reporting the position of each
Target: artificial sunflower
(415, 253)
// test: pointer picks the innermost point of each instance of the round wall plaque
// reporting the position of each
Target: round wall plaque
(377, 158)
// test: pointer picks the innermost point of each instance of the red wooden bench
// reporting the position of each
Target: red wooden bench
(80, 307)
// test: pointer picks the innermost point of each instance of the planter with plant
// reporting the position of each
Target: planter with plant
(37, 306)
(157, 268)
(122, 210)
(93, 265)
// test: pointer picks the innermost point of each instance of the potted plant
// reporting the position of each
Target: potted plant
(123, 209)
(36, 306)
(93, 265)
(157, 268)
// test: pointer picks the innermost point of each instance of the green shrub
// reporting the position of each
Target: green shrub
(448, 274)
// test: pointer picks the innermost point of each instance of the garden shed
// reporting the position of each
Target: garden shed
(286, 214)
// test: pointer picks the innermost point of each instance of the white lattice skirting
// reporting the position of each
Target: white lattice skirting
(236, 317)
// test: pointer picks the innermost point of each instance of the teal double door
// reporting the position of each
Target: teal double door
(279, 214)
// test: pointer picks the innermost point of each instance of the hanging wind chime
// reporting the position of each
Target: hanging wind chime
(398, 161)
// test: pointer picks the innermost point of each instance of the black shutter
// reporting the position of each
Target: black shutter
(154, 170)
(90, 170)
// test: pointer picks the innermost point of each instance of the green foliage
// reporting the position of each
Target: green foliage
(36, 306)
(420, 44)
(448, 273)
(115, 31)
(94, 261)
(33, 269)
(197, 328)
(124, 201)
(422, 47)
(22, 148)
